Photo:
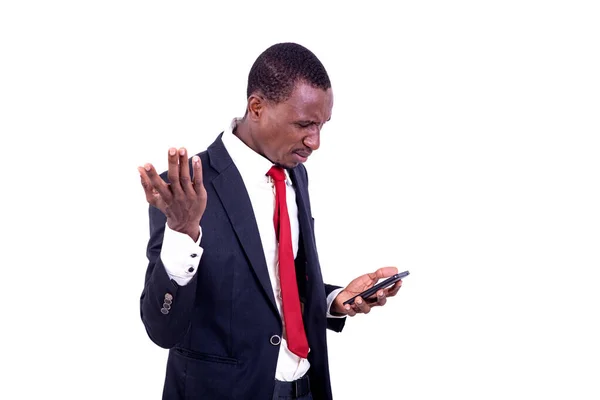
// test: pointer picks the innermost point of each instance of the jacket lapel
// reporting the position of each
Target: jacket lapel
(233, 195)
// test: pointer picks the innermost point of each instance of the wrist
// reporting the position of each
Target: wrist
(337, 308)
(192, 231)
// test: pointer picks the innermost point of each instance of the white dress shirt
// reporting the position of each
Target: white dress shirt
(181, 255)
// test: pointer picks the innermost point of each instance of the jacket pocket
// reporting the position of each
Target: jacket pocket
(194, 355)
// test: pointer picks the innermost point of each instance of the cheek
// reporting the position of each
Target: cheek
(293, 140)
(283, 138)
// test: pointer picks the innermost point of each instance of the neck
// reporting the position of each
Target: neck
(244, 132)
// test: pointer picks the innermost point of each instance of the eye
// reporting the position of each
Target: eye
(304, 124)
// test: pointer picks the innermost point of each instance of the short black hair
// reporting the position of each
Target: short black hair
(277, 70)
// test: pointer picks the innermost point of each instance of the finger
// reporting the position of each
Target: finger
(386, 272)
(158, 184)
(152, 196)
(173, 172)
(394, 289)
(381, 298)
(148, 188)
(198, 183)
(350, 310)
(146, 184)
(362, 306)
(184, 172)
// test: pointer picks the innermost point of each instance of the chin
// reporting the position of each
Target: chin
(288, 165)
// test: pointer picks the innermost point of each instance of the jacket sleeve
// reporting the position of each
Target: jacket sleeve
(165, 307)
(334, 324)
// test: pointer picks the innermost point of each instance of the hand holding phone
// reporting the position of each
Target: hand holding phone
(382, 285)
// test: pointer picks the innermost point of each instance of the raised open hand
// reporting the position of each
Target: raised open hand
(182, 200)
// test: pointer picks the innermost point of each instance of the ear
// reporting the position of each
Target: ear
(256, 106)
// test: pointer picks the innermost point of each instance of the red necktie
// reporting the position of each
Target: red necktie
(292, 315)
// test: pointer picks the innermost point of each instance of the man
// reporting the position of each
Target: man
(234, 286)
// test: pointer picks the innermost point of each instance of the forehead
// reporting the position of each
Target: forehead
(308, 103)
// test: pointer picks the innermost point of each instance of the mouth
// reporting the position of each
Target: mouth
(302, 156)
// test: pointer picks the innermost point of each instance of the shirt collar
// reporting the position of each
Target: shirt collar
(252, 166)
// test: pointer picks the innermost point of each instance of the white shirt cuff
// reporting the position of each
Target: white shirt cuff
(330, 300)
(180, 255)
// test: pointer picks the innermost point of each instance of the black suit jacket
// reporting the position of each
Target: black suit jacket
(220, 324)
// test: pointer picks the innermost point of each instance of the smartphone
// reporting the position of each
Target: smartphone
(382, 285)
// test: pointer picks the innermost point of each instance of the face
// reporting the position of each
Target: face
(288, 132)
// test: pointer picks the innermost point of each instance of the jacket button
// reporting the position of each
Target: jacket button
(275, 340)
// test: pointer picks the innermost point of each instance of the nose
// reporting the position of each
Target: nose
(312, 141)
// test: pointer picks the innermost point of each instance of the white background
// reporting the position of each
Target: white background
(463, 147)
